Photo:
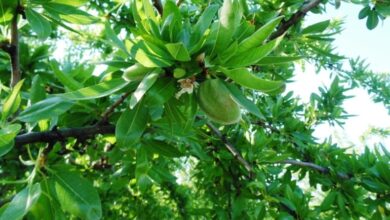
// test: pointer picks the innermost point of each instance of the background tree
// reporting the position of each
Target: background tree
(188, 121)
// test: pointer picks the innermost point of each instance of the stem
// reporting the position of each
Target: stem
(285, 25)
(313, 166)
(236, 154)
(111, 109)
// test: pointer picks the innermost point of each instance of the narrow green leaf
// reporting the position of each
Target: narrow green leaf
(111, 35)
(76, 195)
(277, 60)
(243, 101)
(142, 88)
(11, 105)
(317, 27)
(160, 92)
(45, 109)
(328, 201)
(7, 135)
(69, 13)
(372, 20)
(205, 20)
(230, 16)
(253, 56)
(151, 61)
(37, 92)
(257, 38)
(178, 51)
(131, 126)
(245, 78)
(96, 91)
(22, 202)
(364, 12)
(64, 78)
(75, 3)
(47, 207)
(40, 25)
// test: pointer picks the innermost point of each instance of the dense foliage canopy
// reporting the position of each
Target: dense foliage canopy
(124, 109)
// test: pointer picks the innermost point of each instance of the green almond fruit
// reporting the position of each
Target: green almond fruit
(136, 72)
(215, 100)
(179, 73)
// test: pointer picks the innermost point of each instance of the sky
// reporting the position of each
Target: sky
(356, 40)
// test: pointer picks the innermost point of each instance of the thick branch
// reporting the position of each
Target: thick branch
(285, 25)
(62, 134)
(313, 166)
(14, 50)
(232, 149)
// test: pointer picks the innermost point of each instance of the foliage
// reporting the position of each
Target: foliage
(138, 139)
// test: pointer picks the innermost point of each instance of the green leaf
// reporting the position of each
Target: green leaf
(64, 78)
(131, 126)
(178, 51)
(372, 20)
(12, 103)
(205, 20)
(47, 207)
(111, 35)
(37, 92)
(243, 101)
(160, 92)
(151, 61)
(328, 201)
(230, 16)
(142, 88)
(45, 109)
(257, 38)
(69, 13)
(38, 23)
(75, 3)
(76, 195)
(245, 78)
(7, 135)
(22, 202)
(364, 12)
(317, 27)
(161, 148)
(253, 56)
(277, 60)
(96, 91)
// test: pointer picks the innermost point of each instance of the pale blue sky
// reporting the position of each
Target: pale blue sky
(356, 40)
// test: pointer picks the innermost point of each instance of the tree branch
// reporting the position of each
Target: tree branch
(58, 135)
(14, 49)
(313, 166)
(285, 25)
(111, 109)
(236, 154)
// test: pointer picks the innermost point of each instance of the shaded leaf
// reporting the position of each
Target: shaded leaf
(12, 103)
(45, 109)
(76, 195)
(22, 202)
(40, 25)
(7, 135)
(131, 126)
